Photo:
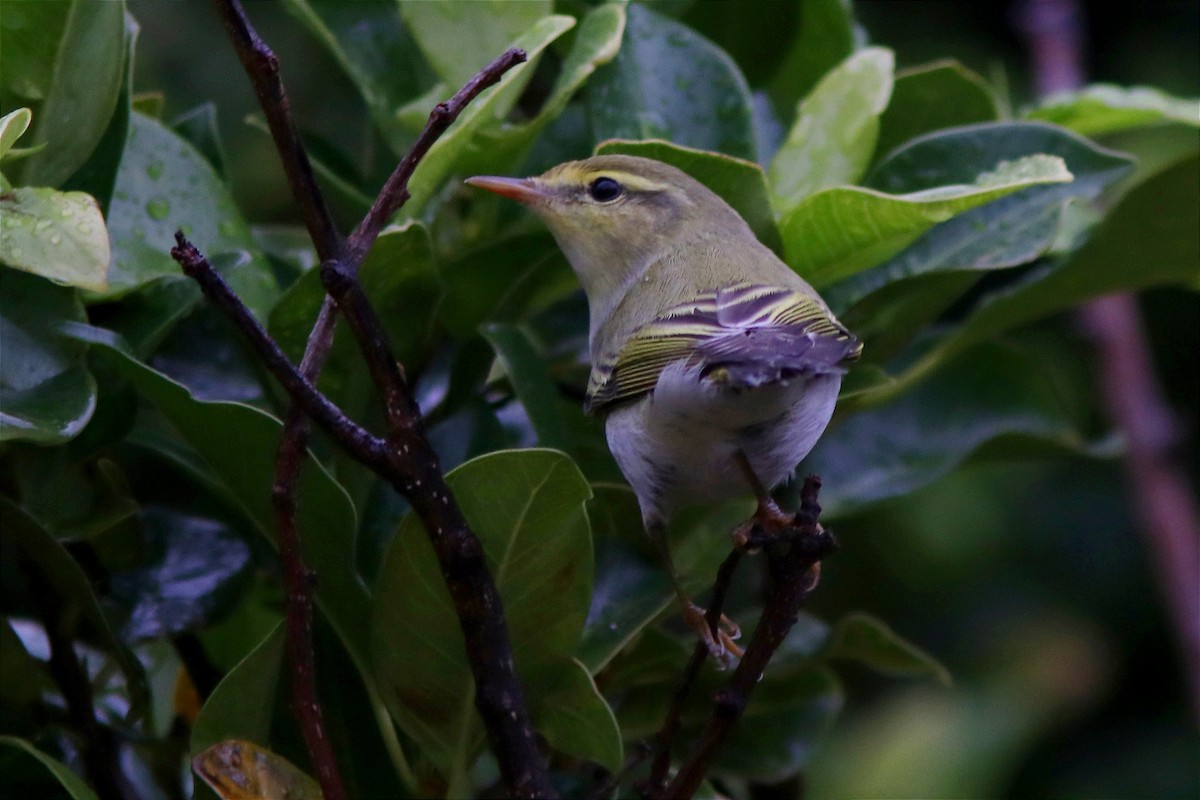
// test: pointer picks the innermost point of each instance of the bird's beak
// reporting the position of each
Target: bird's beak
(523, 190)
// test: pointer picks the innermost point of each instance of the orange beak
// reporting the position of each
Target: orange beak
(523, 190)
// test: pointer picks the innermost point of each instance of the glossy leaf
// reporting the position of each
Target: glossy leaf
(12, 126)
(576, 720)
(484, 113)
(836, 127)
(377, 52)
(501, 148)
(944, 94)
(164, 185)
(526, 370)
(668, 82)
(74, 785)
(242, 704)
(742, 184)
(504, 281)
(29, 38)
(459, 39)
(244, 463)
(58, 235)
(46, 394)
(80, 604)
(837, 232)
(894, 449)
(81, 93)
(240, 770)
(827, 35)
(1010, 231)
(1103, 108)
(863, 638)
(527, 509)
(1153, 226)
(195, 569)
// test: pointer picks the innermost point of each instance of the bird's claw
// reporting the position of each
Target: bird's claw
(722, 646)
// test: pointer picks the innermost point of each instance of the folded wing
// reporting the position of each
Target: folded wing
(740, 336)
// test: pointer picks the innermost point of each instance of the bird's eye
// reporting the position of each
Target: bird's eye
(604, 189)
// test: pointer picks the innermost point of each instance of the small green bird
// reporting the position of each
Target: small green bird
(715, 366)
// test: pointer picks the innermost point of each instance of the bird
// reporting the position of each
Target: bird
(714, 365)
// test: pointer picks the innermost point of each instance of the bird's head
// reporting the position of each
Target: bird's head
(613, 215)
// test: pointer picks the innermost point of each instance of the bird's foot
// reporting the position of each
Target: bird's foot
(768, 524)
(722, 644)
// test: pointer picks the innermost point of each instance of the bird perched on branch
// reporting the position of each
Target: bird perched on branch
(715, 366)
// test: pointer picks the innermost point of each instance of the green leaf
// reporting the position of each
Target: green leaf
(742, 184)
(85, 80)
(29, 40)
(46, 394)
(1103, 108)
(460, 142)
(23, 678)
(1153, 227)
(399, 279)
(164, 184)
(526, 369)
(631, 587)
(58, 235)
(376, 51)
(75, 594)
(459, 39)
(779, 732)
(12, 126)
(868, 640)
(527, 509)
(501, 148)
(242, 704)
(943, 94)
(837, 232)
(238, 443)
(577, 721)
(991, 392)
(504, 281)
(827, 35)
(1010, 231)
(194, 572)
(836, 127)
(68, 780)
(668, 82)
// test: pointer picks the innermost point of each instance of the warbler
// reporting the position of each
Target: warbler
(715, 366)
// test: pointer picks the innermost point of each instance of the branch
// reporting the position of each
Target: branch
(262, 66)
(1163, 502)
(795, 569)
(662, 757)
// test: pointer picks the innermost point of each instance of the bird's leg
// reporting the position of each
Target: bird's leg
(769, 520)
(718, 639)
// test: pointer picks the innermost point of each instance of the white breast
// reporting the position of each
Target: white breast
(677, 446)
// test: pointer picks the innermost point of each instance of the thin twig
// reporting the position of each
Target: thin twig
(262, 66)
(498, 694)
(1164, 504)
(407, 461)
(671, 723)
(795, 576)
(394, 193)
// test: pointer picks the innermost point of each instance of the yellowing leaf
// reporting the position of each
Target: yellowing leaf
(238, 770)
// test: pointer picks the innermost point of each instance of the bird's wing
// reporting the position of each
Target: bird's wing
(741, 336)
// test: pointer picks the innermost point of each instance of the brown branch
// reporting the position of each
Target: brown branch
(262, 66)
(1164, 505)
(671, 723)
(794, 568)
